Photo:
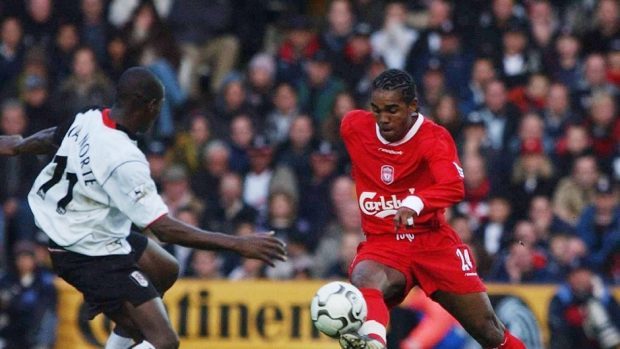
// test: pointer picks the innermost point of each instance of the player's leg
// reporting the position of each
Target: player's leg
(159, 265)
(151, 320)
(161, 268)
(476, 315)
(380, 285)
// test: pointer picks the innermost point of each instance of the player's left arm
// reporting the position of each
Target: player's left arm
(42, 142)
(448, 187)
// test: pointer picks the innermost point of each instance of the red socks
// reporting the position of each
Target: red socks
(511, 342)
(378, 315)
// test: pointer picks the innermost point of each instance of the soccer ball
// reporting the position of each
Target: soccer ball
(338, 307)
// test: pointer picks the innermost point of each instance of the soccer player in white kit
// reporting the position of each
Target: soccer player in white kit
(86, 200)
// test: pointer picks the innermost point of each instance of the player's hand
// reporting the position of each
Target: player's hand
(8, 145)
(404, 218)
(262, 246)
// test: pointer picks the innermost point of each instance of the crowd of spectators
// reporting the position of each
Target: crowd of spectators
(248, 137)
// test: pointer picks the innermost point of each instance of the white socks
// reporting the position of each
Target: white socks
(144, 345)
(117, 342)
(373, 327)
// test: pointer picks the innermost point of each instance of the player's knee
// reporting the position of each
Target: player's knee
(488, 331)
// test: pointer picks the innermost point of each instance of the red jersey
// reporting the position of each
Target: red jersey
(421, 171)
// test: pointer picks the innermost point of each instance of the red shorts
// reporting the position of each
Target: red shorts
(434, 260)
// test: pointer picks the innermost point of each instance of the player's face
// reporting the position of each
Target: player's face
(394, 116)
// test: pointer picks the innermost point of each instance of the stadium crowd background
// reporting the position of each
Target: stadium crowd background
(248, 137)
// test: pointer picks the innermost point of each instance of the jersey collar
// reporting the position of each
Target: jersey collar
(412, 131)
(109, 122)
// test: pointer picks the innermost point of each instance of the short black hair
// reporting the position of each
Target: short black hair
(138, 85)
(396, 80)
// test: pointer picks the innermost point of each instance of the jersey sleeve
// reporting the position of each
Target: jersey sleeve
(445, 168)
(133, 191)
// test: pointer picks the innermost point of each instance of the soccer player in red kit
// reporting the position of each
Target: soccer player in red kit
(407, 172)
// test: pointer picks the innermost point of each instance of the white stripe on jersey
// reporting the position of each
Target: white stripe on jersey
(97, 185)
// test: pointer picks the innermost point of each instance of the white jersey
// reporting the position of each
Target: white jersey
(97, 185)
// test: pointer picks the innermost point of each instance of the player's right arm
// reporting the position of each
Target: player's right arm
(132, 190)
(258, 246)
(42, 142)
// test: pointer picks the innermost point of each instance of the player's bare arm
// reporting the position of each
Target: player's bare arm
(259, 246)
(41, 142)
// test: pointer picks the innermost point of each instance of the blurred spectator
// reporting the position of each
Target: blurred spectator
(189, 146)
(215, 164)
(348, 249)
(35, 94)
(151, 44)
(282, 215)
(318, 89)
(575, 143)
(604, 127)
(576, 191)
(363, 89)
(335, 35)
(231, 101)
(11, 50)
(532, 175)
(566, 252)
(93, 27)
(261, 76)
(584, 314)
(17, 175)
(323, 162)
(358, 55)
(40, 24)
(567, 65)
(230, 208)
(433, 87)
(156, 156)
(394, 41)
(120, 11)
(517, 61)
(545, 221)
(474, 140)
(299, 44)
(533, 96)
(472, 97)
(67, 41)
(285, 110)
(492, 24)
(86, 86)
(477, 188)
(347, 221)
(606, 32)
(203, 31)
(599, 227)
(250, 269)
(557, 112)
(177, 193)
(521, 264)
(117, 56)
(296, 149)
(613, 65)
(495, 231)
(298, 264)
(544, 25)
(330, 128)
(204, 265)
(241, 135)
(28, 300)
(594, 81)
(264, 177)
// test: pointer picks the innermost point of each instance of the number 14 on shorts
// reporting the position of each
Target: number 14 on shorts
(466, 263)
